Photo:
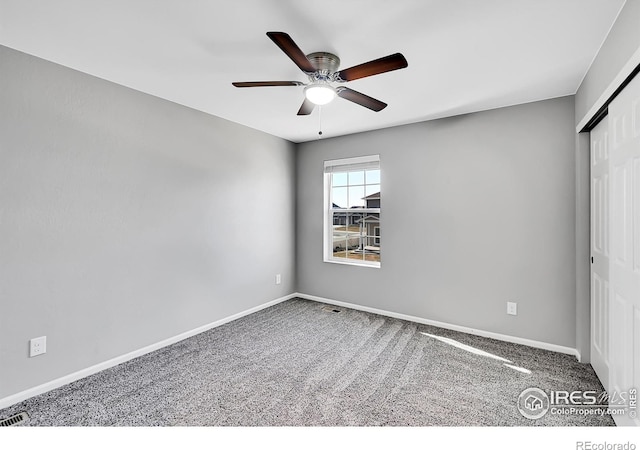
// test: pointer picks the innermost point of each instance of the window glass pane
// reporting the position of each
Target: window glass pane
(339, 245)
(371, 225)
(372, 189)
(339, 179)
(339, 219)
(373, 176)
(356, 196)
(354, 241)
(348, 218)
(372, 245)
(339, 197)
(356, 177)
(372, 241)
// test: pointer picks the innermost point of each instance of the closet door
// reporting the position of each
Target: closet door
(624, 269)
(600, 251)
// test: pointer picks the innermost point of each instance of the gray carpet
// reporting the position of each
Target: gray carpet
(299, 364)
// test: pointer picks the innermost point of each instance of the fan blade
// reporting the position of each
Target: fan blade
(382, 65)
(286, 44)
(306, 108)
(242, 84)
(361, 99)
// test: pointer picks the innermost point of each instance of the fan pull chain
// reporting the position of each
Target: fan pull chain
(320, 122)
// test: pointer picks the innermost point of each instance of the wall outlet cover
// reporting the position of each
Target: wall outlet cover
(37, 346)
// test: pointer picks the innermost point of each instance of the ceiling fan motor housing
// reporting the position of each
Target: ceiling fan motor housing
(325, 64)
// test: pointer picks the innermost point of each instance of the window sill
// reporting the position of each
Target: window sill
(355, 263)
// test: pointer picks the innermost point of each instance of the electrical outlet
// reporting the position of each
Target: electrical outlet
(37, 346)
(512, 308)
(278, 278)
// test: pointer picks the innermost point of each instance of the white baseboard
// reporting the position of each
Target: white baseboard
(448, 326)
(41, 389)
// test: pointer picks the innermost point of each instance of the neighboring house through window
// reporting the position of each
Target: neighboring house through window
(352, 211)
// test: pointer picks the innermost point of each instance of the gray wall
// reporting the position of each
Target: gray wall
(621, 43)
(477, 210)
(126, 219)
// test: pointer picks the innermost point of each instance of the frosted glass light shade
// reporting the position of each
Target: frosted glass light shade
(319, 93)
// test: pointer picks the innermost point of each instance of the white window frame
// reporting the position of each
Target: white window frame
(352, 164)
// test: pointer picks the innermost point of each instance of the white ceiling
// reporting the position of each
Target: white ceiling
(464, 55)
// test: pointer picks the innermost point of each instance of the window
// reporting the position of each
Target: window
(352, 211)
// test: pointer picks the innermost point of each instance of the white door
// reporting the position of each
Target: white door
(600, 251)
(624, 269)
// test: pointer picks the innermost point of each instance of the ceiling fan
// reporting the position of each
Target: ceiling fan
(322, 70)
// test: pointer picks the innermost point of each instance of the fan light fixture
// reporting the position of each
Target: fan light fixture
(319, 93)
(321, 68)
